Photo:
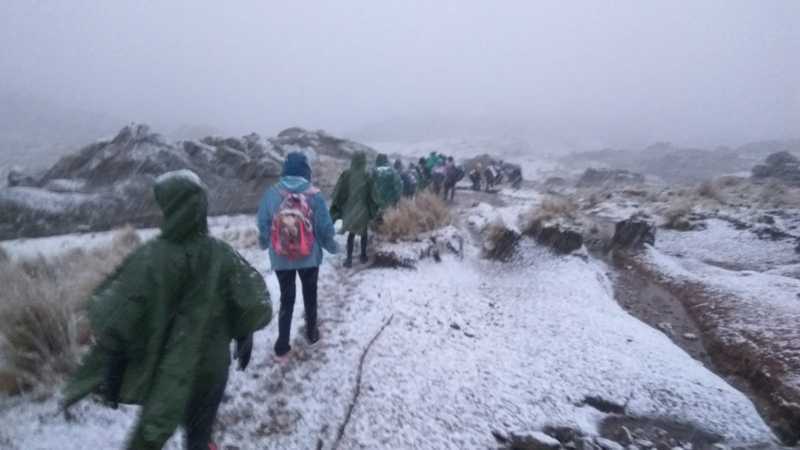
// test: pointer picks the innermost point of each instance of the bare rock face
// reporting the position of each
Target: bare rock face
(606, 177)
(633, 233)
(782, 166)
(109, 183)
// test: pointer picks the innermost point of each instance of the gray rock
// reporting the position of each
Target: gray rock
(608, 444)
(586, 443)
(533, 441)
(633, 233)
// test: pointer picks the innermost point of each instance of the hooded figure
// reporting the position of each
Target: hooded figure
(164, 321)
(296, 180)
(387, 182)
(354, 204)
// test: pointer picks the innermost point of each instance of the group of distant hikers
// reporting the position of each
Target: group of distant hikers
(164, 320)
(493, 174)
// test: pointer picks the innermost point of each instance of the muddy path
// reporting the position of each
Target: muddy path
(667, 307)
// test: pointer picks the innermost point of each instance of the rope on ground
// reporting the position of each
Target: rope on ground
(357, 390)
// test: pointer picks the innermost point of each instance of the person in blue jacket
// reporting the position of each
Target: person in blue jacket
(296, 178)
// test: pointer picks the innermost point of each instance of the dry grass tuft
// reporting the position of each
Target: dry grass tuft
(676, 216)
(775, 194)
(42, 308)
(550, 209)
(711, 190)
(412, 217)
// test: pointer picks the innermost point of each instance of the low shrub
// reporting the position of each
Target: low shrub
(412, 217)
(710, 189)
(676, 216)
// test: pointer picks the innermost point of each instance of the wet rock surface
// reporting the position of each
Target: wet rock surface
(633, 234)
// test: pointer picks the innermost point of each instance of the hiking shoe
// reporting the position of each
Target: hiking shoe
(313, 336)
(281, 360)
(364, 259)
(348, 263)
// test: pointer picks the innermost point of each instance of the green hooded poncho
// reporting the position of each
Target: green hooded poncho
(170, 312)
(353, 200)
(387, 182)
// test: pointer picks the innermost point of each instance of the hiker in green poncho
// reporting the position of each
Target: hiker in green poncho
(164, 321)
(354, 203)
(387, 183)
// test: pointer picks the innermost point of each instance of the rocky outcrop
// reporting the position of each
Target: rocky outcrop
(633, 234)
(109, 183)
(560, 238)
(500, 243)
(782, 166)
(609, 177)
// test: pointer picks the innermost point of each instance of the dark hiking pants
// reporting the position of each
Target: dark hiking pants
(157, 418)
(286, 279)
(351, 238)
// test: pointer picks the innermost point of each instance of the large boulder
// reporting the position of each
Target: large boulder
(109, 183)
(559, 237)
(633, 234)
(500, 243)
(782, 166)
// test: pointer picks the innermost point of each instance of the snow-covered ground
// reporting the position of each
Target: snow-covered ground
(720, 243)
(472, 346)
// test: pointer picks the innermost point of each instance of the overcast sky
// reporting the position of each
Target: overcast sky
(592, 73)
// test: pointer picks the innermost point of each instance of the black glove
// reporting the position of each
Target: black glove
(244, 348)
(113, 379)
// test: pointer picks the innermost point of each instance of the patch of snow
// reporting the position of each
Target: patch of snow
(52, 202)
(615, 211)
(183, 174)
(721, 243)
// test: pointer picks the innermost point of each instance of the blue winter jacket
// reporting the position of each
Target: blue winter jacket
(323, 225)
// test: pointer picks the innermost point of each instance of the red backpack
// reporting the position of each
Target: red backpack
(292, 233)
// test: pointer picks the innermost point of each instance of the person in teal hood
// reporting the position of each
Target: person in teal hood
(354, 203)
(296, 179)
(164, 321)
(388, 184)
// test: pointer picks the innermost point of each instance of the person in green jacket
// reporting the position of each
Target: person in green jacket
(354, 203)
(387, 183)
(164, 321)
